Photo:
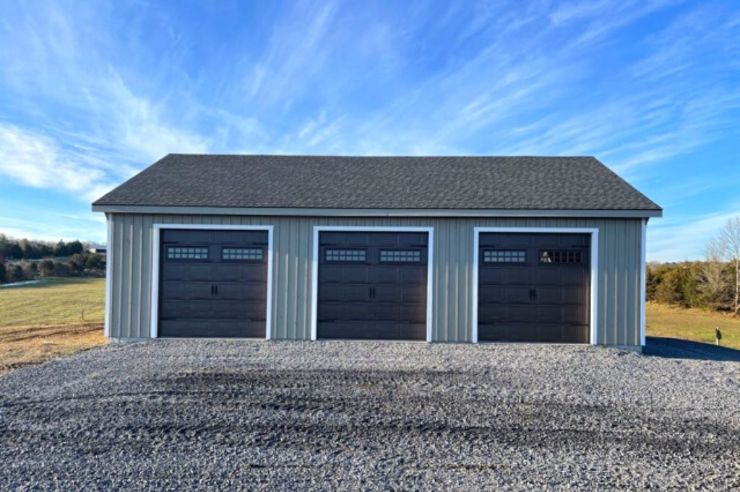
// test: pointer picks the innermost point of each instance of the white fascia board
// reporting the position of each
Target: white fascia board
(376, 212)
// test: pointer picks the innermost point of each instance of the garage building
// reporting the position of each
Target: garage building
(436, 249)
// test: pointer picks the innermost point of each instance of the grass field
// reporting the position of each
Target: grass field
(691, 324)
(42, 321)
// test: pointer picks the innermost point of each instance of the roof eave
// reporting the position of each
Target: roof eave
(379, 212)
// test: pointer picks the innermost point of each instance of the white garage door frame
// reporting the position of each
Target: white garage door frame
(157, 228)
(594, 287)
(317, 230)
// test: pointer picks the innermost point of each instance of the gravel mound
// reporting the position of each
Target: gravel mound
(185, 414)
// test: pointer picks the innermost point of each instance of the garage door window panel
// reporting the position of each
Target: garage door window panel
(187, 253)
(242, 254)
(556, 256)
(514, 256)
(400, 256)
(337, 255)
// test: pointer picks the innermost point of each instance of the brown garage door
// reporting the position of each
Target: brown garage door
(534, 287)
(372, 285)
(213, 283)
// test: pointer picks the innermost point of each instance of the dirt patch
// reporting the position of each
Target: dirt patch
(24, 346)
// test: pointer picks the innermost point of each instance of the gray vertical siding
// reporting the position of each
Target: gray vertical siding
(618, 292)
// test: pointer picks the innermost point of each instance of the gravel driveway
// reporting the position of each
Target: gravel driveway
(296, 415)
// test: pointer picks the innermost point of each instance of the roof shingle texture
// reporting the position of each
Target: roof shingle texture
(278, 181)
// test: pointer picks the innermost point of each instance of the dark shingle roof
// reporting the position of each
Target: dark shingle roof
(278, 181)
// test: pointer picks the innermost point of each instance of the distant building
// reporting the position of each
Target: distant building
(99, 251)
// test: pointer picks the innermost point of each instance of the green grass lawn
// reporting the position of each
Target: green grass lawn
(55, 301)
(691, 324)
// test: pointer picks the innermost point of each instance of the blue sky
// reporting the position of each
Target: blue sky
(92, 92)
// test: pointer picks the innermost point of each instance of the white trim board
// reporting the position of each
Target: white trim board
(643, 279)
(315, 267)
(376, 212)
(108, 275)
(594, 287)
(156, 228)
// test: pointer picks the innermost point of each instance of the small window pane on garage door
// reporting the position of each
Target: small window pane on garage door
(372, 285)
(213, 283)
(534, 287)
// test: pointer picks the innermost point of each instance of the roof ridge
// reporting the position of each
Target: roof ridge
(392, 156)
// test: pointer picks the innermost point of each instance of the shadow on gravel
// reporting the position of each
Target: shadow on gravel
(673, 348)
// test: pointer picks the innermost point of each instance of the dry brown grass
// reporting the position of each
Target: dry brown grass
(23, 346)
(40, 322)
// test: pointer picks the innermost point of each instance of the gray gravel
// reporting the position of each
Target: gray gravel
(347, 415)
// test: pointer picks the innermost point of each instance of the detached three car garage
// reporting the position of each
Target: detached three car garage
(438, 249)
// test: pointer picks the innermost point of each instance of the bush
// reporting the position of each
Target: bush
(2, 272)
(30, 269)
(689, 284)
(77, 263)
(94, 261)
(16, 274)
(61, 269)
(46, 268)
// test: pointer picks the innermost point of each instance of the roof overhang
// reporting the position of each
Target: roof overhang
(375, 212)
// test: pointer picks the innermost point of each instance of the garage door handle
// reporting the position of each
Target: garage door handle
(215, 289)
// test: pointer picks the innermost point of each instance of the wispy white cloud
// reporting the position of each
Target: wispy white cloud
(89, 129)
(297, 48)
(140, 128)
(38, 161)
(694, 232)
(574, 11)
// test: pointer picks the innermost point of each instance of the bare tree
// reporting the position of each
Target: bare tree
(712, 280)
(729, 246)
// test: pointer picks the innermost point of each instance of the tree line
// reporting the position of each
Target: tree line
(713, 283)
(692, 284)
(29, 249)
(24, 259)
